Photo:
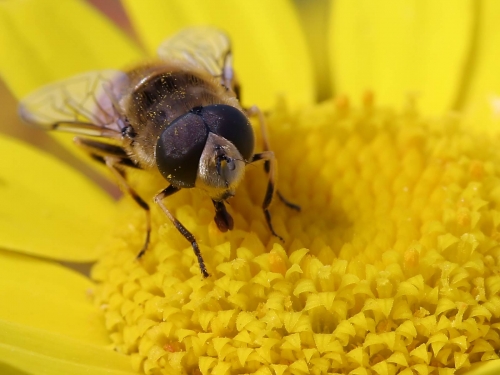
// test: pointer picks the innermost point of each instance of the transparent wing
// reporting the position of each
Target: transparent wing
(204, 46)
(85, 104)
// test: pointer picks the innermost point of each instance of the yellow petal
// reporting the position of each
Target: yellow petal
(48, 296)
(51, 39)
(35, 351)
(270, 51)
(482, 99)
(400, 47)
(48, 209)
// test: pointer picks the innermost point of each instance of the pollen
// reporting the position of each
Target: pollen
(391, 267)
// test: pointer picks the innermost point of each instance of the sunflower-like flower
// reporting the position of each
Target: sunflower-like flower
(393, 265)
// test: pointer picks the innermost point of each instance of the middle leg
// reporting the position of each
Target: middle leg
(255, 111)
(115, 158)
(268, 157)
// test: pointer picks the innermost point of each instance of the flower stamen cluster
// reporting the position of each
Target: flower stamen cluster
(393, 265)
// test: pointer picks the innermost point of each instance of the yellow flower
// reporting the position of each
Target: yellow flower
(393, 266)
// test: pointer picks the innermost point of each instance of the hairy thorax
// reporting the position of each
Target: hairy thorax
(159, 94)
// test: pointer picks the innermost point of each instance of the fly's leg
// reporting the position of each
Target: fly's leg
(181, 228)
(255, 111)
(114, 157)
(222, 218)
(268, 157)
(287, 203)
(119, 174)
(99, 150)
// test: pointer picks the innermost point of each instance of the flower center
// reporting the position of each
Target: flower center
(392, 264)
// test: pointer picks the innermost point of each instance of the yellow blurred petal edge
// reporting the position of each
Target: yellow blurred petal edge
(270, 52)
(35, 351)
(47, 296)
(315, 16)
(397, 49)
(69, 38)
(481, 101)
(48, 209)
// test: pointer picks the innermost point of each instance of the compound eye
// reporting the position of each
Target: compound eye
(179, 149)
(232, 124)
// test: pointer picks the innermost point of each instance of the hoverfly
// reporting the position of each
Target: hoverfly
(179, 115)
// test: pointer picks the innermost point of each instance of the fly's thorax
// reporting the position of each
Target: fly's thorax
(162, 92)
(221, 168)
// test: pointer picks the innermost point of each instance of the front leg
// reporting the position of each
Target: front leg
(222, 218)
(181, 228)
(269, 159)
(255, 111)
